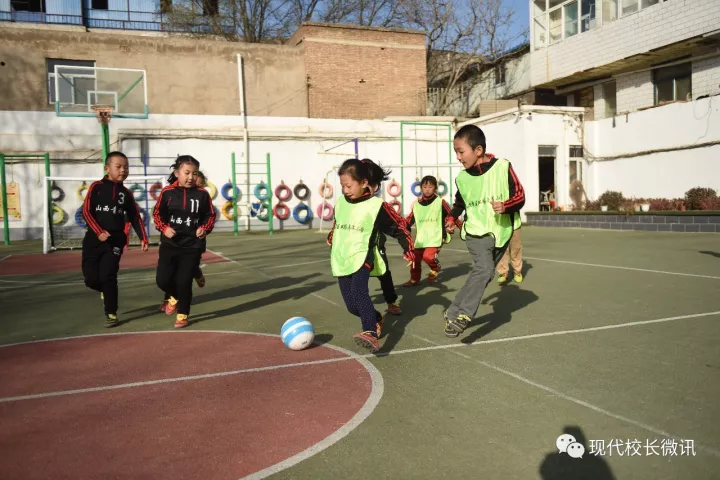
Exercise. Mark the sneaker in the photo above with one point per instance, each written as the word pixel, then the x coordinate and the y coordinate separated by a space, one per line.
pixel 432 276
pixel 379 326
pixel 170 306
pixel 111 320
pixel 502 279
pixel 458 324
pixel 394 308
pixel 200 280
pixel 411 283
pixel 518 278
pixel 367 340
pixel 181 321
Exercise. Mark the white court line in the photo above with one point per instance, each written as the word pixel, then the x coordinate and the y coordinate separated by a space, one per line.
pixel 618 267
pixel 5 257
pixel 271 277
pixel 578 401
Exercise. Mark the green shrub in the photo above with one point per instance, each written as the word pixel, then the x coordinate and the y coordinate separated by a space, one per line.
pixel 695 196
pixel 612 199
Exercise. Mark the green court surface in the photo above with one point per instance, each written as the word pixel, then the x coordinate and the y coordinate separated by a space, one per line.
pixel 613 337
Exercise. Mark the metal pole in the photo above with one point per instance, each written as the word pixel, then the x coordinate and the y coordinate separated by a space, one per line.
pixel 357 151
pixel 105 140
pixel 234 196
pixel 270 192
pixel 48 196
pixel 6 223
pixel 451 182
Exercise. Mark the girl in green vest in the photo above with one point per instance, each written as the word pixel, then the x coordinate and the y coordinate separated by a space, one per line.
pixel 429 214
pixel 359 219
pixel 490 194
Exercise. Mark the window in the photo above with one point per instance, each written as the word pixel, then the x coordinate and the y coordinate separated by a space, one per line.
pixel 609 10
pixel 576 151
pixel 540 31
pixel 587 15
pixel 609 92
pixel 673 83
pixel 210 8
pixel 73 87
pixel 28 5
pixel 99 4
pixel 629 6
pixel 571 19
pixel 500 74
pixel 555 26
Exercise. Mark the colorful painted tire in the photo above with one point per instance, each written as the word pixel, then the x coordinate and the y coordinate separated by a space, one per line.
pixel 79 219
pixel 301 187
pixel 59 216
pixel 211 189
pixel 227 210
pixel 442 188
pixel 285 214
pixel 308 213
pixel 394 189
pixel 137 188
pixel 396 205
pixel 260 211
pixel 264 188
pixel 322 190
pixel 56 193
pixel 82 188
pixel 155 190
pixel 225 191
pixel 415 189
pixel 325 211
pixel 283 192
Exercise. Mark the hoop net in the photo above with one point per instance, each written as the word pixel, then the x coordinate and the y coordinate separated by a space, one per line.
pixel 103 113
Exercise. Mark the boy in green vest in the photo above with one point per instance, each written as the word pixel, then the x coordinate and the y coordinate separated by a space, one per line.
pixel 428 214
pixel 490 194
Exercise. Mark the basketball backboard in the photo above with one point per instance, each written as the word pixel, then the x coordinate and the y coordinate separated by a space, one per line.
pixel 77 89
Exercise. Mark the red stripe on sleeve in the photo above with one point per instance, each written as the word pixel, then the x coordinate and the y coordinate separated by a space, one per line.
pixel 87 211
pixel 519 196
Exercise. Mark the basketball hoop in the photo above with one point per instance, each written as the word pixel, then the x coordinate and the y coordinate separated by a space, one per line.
pixel 103 113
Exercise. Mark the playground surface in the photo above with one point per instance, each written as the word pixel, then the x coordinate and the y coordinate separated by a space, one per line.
pixel 612 338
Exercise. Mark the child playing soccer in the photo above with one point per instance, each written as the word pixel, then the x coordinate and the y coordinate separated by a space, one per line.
pixel 359 218
pixel 429 213
pixel 185 216
pixel 490 194
pixel 106 204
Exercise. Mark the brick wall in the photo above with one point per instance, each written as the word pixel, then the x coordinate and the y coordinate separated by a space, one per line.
pixel 706 77
pixel 360 72
pixel 599 104
pixel 658 25
pixel 634 91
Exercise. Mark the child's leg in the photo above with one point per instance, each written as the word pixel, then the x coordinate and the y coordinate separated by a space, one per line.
pixel 515 248
pixel 504 264
pixel 430 256
pixel 416 269
pixel 165 273
pixel 187 262
pixel 91 266
pixel 345 284
pixel 482 250
pixel 107 273
pixel 363 304
pixel 388 287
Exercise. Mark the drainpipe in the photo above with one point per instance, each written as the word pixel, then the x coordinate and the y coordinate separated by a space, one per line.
pixel 246 142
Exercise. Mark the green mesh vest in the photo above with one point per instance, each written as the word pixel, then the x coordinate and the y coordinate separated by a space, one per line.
pixel 351 238
pixel 428 224
pixel 478 192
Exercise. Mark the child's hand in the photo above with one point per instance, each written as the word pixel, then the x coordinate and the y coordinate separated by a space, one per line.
pixel 200 233
pixel 409 257
pixel 450 225
pixel 144 245
pixel 103 236
pixel 169 232
pixel 498 207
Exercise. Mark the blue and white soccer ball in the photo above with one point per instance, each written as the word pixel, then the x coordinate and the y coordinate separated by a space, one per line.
pixel 297 333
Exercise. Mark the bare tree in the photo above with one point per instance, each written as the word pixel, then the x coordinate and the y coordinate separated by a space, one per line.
pixel 463 37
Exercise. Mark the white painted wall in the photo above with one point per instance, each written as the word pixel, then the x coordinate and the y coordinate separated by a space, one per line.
pixel 652 27
pixel 706 77
pixel 667 174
